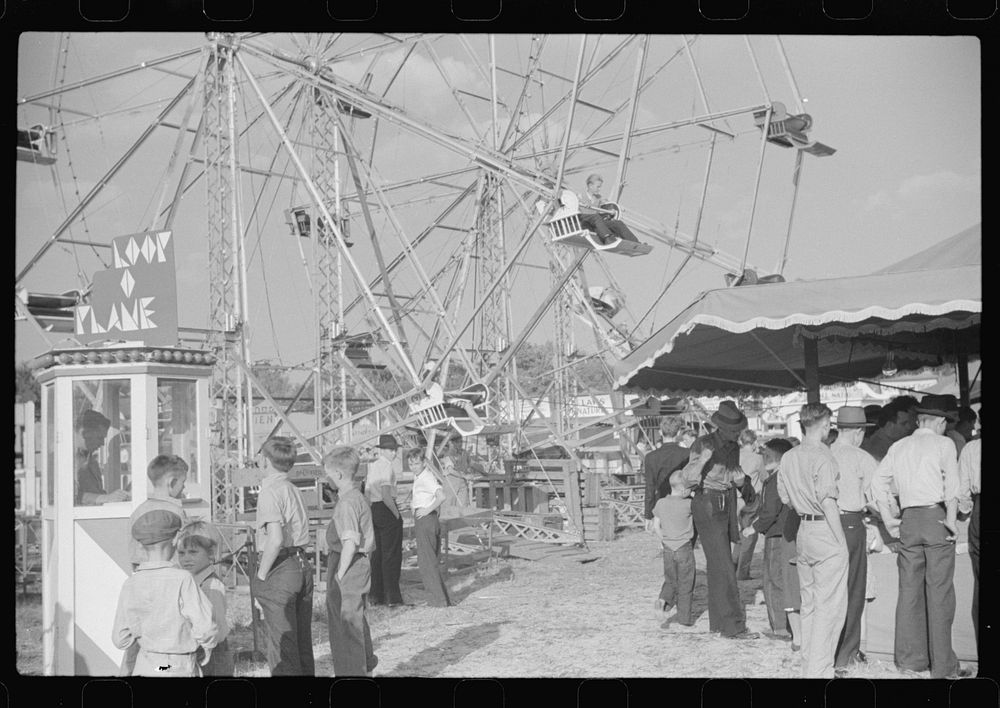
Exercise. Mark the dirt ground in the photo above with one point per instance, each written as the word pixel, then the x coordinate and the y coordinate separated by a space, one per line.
pixel 519 618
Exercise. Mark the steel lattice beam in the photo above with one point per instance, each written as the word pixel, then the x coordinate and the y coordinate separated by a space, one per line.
pixel 225 388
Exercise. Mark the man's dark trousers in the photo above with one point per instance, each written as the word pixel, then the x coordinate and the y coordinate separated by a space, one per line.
pixel 743 555
pixel 974 557
pixel 774 584
pixel 678 581
pixel 925 608
pixel 350 636
pixel 427 530
pixel 285 599
pixel 849 643
pixel 711 521
pixel 597 224
pixel 387 559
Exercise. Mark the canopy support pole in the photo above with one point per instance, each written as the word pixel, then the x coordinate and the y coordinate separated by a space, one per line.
pixel 811 347
pixel 962 364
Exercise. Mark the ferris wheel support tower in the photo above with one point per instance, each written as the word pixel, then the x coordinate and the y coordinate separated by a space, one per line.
pixel 227 294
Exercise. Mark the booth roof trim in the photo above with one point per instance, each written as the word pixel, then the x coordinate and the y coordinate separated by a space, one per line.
pixel 78 356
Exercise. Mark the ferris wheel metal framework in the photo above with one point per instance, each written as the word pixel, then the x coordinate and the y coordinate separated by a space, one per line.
pixel 503 187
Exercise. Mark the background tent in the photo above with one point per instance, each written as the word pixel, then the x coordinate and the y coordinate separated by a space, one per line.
pixel 758 339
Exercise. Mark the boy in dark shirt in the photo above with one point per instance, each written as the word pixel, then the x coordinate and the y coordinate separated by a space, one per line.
pixel 660 463
pixel 350 538
pixel 770 523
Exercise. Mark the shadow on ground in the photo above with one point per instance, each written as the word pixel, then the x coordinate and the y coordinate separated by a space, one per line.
pixel 431 661
pixel 460 585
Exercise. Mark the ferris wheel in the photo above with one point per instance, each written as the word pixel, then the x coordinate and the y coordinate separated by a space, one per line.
pixel 404 211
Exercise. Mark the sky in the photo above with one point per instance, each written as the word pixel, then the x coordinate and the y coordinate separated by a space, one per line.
pixel 902 112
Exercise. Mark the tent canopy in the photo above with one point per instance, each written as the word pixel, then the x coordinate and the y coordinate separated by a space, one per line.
pixel 750 339
pixel 962 249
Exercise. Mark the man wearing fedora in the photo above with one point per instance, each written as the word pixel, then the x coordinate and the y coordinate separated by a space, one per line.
pixel 924 467
pixel 856 469
pixel 380 490
pixel 711 507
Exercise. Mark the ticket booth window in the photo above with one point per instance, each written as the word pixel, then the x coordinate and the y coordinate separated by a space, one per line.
pixel 177 422
pixel 50 444
pixel 102 428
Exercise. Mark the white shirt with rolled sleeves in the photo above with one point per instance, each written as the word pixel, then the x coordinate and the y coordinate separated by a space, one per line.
pixel 381 472
pixel 923 466
pixel 280 502
pixel 857 468
pixel 969 475
pixel 807 475
pixel 425 486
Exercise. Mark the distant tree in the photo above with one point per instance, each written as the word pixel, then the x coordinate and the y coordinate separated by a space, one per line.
pixel 274 379
pixel 535 363
pixel 26 386
pixel 592 377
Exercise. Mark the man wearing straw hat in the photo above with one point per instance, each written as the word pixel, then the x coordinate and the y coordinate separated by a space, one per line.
pixel 380 490
pixel 711 508
pixel 924 467
pixel 856 469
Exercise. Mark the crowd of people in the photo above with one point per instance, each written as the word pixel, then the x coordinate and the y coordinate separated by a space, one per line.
pixel 171 614
pixel 898 476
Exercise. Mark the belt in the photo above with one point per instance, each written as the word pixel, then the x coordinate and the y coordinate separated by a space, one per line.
pixel 289 551
pixel 812 517
pixel 429 512
pixel 842 512
pixel 357 554
pixel 938 505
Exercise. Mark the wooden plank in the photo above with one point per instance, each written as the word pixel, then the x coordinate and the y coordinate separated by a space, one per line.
pixel 574 505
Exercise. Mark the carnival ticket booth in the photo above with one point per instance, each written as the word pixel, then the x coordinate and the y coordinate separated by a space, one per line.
pixel 106 412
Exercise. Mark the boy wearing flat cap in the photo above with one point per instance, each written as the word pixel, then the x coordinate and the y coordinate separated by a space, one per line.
pixel 856 468
pixel 161 606
pixel 380 491
pixel 924 467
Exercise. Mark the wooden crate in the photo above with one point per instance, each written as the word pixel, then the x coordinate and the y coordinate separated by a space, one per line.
pixel 599 523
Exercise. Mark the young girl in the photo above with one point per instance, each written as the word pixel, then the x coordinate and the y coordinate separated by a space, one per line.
pixel 197 552
pixel 427 497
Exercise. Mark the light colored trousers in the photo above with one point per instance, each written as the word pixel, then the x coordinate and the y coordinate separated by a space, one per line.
pixel 822 566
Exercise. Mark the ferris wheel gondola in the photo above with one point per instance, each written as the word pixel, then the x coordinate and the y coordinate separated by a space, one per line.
pixel 566 229
pixel 36 145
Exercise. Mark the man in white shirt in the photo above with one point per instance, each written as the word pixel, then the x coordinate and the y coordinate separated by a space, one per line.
pixel 924 467
pixel 427 498
pixel 969 479
pixel 856 468
pixel 380 491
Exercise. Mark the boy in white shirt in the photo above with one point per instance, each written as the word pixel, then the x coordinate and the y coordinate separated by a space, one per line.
pixel 673 525
pixel 428 495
